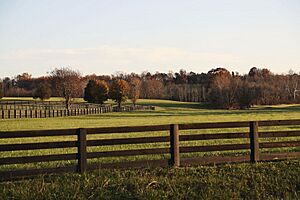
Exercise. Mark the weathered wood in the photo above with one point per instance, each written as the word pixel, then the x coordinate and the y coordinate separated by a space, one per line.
pixel 42 145
pixel 213 160
pixel 128 129
pixel 37 133
pixel 128 165
pixel 11 175
pixel 139 140
pixel 213 125
pixel 279 134
pixel 280 144
pixel 82 150
pixel 174 145
pixel 213 136
pixel 254 143
pixel 207 148
pixel 33 159
pixel 135 152
pixel 279 122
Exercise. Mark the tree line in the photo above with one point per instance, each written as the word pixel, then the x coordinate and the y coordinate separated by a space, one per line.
pixel 217 88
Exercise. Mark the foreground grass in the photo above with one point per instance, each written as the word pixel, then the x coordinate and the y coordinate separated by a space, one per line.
pixel 278 180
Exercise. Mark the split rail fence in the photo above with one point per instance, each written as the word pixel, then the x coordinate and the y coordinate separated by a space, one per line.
pixel 176 149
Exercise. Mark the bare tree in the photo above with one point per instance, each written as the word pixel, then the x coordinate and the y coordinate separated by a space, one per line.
pixel 293 84
pixel 67 83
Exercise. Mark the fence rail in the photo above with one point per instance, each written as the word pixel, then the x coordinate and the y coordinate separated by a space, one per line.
pixel 176 150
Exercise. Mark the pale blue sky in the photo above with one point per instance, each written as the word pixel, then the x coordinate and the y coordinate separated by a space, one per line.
pixel 103 37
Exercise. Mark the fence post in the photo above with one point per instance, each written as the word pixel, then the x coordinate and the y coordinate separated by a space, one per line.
pixel 254 143
pixel 174 145
pixel 82 151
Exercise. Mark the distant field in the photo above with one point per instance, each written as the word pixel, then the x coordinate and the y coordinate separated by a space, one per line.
pixel 205 182
pixel 166 112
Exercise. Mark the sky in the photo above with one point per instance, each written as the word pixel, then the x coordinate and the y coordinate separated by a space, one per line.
pixel 109 36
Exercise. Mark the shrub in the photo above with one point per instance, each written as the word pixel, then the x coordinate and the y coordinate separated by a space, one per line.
pixel 43 91
pixel 96 92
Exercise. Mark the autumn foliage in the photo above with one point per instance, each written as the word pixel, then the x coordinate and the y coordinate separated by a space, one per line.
pixel 218 88
pixel 119 91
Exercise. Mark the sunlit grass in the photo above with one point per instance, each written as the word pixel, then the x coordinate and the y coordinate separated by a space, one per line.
pixel 278 180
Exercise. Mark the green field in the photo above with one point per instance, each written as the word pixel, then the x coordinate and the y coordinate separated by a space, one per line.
pixel 265 180
pixel 167 112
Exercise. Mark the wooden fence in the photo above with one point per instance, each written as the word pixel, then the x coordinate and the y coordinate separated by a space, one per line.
pixel 175 149
pixel 43 105
pixel 13 114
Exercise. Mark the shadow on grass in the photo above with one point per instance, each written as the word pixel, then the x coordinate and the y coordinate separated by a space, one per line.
pixel 173 108
pixel 145 114
pixel 285 108
pixel 174 104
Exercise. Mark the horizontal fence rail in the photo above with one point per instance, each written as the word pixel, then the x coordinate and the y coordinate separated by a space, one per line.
pixel 175 147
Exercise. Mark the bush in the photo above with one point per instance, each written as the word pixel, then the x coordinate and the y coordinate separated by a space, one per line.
pixel 96 92
pixel 42 92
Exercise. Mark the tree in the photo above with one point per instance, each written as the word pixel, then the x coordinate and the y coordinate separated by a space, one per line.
pixel 96 91
pixel 67 83
pixel 43 91
pixel 134 89
pixel 1 90
pixel 119 91
pixel 152 89
pixel 222 88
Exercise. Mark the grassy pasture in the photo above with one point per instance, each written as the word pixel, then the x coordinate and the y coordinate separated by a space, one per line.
pixel 153 183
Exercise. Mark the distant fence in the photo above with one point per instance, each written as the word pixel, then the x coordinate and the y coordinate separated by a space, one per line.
pixel 175 149
pixel 43 105
pixel 14 114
